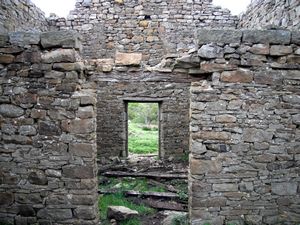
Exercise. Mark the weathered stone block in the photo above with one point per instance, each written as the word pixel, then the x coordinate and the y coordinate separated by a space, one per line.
pixel 238 76
pixel 55 75
pixel 26 211
pixel 267 36
pixel 6 58
pixel 78 172
pixel 27 130
pixel 87 100
pixel 38 114
pixel 216 106
pixel 120 213
pixel 83 199
pixel 296 119
pixel 77 66
pixel 65 39
pixel 292 99
pixel 209 202
pixel 210 51
pixel 296 37
pixel 6 198
pixel 293 59
pixel 119 1
pixel 198 167
pixel 11 111
pixel 198 148
pixel 55 214
pixel 60 55
pixel 48 128
pixel 82 149
pixel 214 67
pixel 260 49
pixel 280 50
pixel 81 126
pixel 128 59
pixel 225 119
pixel 86 112
pixel 24 38
pixel 225 187
pixel 205 36
pixel 257 135
pixel 253 219
pixel 264 158
pixel 31 55
pixel 38 177
pixel 212 135
pixel 85 212
pixel 271 77
pixel 285 188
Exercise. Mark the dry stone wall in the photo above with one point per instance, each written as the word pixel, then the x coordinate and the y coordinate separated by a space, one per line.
pixel 48 131
pixel 125 79
pixel 21 15
pixel 279 13
pixel 244 165
pixel 154 28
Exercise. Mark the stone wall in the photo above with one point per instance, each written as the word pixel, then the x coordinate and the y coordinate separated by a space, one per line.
pixel 153 27
pixel 21 15
pixel 124 79
pixel 280 13
pixel 48 132
pixel 244 166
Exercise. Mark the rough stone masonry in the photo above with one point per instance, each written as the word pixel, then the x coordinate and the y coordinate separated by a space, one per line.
pixel 48 131
pixel 233 95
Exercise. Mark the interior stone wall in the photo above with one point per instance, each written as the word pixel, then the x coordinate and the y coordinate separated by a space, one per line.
pixel 48 170
pixel 21 15
pixel 118 82
pixel 244 166
pixel 154 28
pixel 280 13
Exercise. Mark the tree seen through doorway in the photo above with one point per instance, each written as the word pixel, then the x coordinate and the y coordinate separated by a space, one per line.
pixel 143 129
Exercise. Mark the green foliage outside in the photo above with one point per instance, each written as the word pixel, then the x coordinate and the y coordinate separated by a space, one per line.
pixel 180 220
pixel 141 141
pixel 119 200
pixel 144 113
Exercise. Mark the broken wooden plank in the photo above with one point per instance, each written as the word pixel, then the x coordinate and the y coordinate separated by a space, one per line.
pixel 152 194
pixel 166 205
pixel 167 187
pixel 147 175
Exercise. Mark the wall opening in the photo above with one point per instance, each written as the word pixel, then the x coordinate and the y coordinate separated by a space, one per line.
pixel 142 128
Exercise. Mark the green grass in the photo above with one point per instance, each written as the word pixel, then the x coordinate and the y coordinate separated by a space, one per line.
pixel 126 184
pixel 142 140
pixel 180 220
pixel 119 200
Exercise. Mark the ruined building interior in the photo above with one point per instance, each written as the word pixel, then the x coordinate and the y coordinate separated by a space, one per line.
pixel 228 90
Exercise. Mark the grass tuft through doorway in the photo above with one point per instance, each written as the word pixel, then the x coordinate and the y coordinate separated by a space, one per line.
pixel 143 128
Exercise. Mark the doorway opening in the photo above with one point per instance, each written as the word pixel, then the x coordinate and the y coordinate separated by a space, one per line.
pixel 143 128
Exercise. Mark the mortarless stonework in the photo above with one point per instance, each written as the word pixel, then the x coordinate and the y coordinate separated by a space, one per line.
pixel 243 102
pixel 154 28
pixel 244 163
pixel 280 13
pixel 21 15
pixel 48 132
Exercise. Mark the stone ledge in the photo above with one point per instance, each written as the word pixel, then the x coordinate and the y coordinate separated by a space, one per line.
pixel 218 36
pixel 65 39
pixel 267 36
